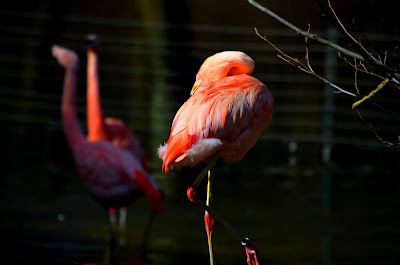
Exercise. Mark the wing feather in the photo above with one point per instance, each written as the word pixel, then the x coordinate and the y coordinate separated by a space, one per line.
pixel 225 111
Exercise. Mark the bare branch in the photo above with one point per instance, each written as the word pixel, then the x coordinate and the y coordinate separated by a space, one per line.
pixel 295 62
pixel 305 33
pixel 307 49
pixel 362 57
pixel 355 75
pixel 373 130
pixel 362 54
pixel 390 73
pixel 363 70
pixel 307 69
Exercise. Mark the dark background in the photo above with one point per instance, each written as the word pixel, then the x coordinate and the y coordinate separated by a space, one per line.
pixel 318 188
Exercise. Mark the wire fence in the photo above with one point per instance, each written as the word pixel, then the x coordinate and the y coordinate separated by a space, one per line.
pixel 130 64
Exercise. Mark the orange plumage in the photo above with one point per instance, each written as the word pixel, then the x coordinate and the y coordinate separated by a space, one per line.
pixel 227 112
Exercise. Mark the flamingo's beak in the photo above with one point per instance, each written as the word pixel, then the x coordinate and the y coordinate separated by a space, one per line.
pixel 195 87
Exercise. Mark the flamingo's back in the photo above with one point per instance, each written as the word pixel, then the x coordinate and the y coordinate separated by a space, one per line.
pixel 228 116
pixel 123 137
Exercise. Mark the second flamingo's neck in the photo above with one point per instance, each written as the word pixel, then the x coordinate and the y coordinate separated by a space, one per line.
pixel 68 109
pixel 95 117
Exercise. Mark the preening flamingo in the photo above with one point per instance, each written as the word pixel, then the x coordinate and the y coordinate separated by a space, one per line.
pixel 224 117
pixel 114 177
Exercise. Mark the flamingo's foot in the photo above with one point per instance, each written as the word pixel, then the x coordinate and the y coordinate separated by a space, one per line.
pixel 253 258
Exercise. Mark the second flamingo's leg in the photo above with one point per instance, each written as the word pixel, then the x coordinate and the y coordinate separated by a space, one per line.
pixel 122 225
pixel 112 217
pixel 112 221
pixel 143 243
pixel 122 217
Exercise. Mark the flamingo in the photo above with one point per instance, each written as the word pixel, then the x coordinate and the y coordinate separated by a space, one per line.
pixel 102 128
pixel 227 112
pixel 113 176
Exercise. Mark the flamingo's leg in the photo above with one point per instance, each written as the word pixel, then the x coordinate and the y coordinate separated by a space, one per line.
pixel 145 237
pixel 203 173
pixel 112 220
pixel 122 217
pixel 112 217
pixel 208 220
pixel 251 250
pixel 122 225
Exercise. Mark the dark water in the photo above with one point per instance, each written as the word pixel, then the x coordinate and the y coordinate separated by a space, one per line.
pixel 318 188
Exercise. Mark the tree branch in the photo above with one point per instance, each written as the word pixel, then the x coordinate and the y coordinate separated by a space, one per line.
pixel 390 73
pixel 305 33
pixel 362 54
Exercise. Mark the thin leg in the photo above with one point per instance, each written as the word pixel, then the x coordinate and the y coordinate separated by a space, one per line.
pixel 205 170
pixel 208 220
pixel 109 253
pixel 251 250
pixel 217 216
pixel 122 226
pixel 142 249
pixel 122 217
pixel 112 219
pixel 148 229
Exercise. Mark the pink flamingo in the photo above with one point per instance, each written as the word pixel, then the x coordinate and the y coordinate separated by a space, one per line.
pixel 224 117
pixel 102 128
pixel 112 176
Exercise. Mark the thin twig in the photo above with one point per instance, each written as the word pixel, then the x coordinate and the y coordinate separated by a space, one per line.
pixel 305 33
pixel 307 50
pixel 373 92
pixel 373 130
pixel 364 70
pixel 355 74
pixel 295 62
pixel 390 73
pixel 362 54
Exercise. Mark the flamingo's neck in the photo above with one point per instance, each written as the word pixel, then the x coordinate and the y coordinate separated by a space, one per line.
pixel 70 120
pixel 95 117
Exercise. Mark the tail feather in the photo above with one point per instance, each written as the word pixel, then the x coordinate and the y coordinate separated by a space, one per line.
pixel 176 146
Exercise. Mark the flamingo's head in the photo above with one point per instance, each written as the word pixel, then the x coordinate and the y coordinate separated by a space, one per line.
pixel 65 57
pixel 220 65
pixel 91 43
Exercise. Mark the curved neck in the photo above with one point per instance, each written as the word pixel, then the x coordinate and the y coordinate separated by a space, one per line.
pixel 221 65
pixel 68 109
pixel 95 117
pixel 240 67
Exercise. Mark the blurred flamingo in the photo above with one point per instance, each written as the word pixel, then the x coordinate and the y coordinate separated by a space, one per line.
pixel 113 176
pixel 227 112
pixel 102 128
pixel 110 129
